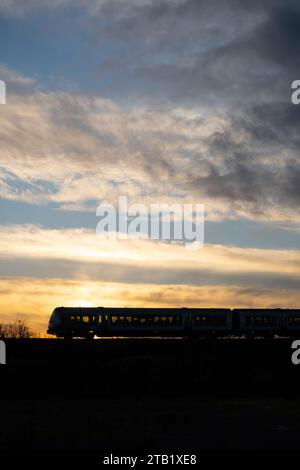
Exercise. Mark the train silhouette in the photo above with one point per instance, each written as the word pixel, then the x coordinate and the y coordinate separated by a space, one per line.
pixel 80 322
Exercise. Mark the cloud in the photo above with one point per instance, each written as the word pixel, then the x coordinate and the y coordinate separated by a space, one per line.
pixel 215 123
pixel 234 54
pixel 72 148
pixel 79 254
pixel 16 80
pixel 93 7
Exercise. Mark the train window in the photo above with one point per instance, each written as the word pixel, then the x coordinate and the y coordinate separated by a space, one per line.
pixel 203 319
pixel 210 320
pixel 294 320
pixel 85 319
pixel 164 320
pixel 72 318
pixel 147 320
pixel 137 320
pixel 261 320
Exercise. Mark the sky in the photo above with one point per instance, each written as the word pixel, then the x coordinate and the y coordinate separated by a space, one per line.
pixel 164 101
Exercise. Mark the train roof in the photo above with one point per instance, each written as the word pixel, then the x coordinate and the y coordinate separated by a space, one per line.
pixel 169 311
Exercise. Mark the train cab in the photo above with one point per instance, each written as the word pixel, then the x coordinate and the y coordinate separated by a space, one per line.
pixel 78 322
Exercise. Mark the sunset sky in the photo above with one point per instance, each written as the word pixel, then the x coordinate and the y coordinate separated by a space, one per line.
pixel 164 101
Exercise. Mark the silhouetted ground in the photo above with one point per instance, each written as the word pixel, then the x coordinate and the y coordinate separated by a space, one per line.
pixel 143 395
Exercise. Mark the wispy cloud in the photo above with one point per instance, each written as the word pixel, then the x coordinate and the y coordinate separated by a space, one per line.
pixel 80 254
pixel 71 148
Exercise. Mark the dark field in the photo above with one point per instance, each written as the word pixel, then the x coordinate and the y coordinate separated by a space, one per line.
pixel 143 395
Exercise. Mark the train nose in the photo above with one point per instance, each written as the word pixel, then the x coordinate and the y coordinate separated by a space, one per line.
pixel 50 327
pixel 53 324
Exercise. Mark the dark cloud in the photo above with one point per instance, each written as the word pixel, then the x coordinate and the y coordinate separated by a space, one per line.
pixel 278 38
pixel 256 174
pixel 202 51
pixel 248 75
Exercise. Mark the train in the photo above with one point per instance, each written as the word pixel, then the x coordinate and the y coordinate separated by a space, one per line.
pixel 88 323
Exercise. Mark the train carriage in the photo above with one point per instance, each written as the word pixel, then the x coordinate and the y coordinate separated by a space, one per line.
pixel 210 322
pixel 145 322
pixel 260 322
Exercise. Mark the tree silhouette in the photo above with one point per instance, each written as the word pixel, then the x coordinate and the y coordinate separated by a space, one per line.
pixel 18 329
